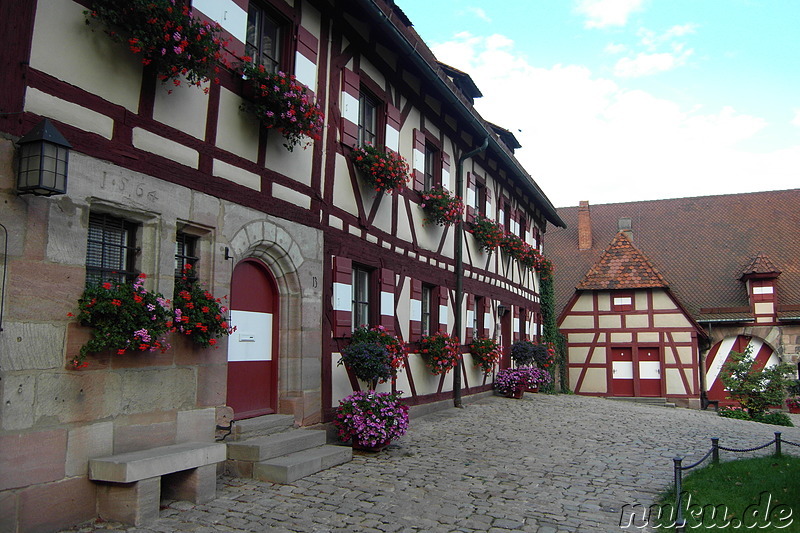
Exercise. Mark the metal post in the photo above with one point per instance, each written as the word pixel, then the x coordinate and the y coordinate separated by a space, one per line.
pixel 680 523
pixel 459 246
pixel 777 444
pixel 715 449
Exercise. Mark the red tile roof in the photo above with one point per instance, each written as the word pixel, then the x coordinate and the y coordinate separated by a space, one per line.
pixel 622 266
pixel 699 245
pixel 761 264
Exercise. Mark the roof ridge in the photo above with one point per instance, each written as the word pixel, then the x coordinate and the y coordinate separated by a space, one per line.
pixel 622 266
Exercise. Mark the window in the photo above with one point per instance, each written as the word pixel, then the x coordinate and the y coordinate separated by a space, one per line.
pixel 622 301
pixel 361 296
pixel 265 40
pixel 185 254
pixel 523 324
pixel 523 227
pixel 367 119
pixel 110 250
pixel 477 317
pixel 432 163
pixel 427 309
pixel 480 199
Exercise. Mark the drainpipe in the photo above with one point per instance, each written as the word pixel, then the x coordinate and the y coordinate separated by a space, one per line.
pixel 459 245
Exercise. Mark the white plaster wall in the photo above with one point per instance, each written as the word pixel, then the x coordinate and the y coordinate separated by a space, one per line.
pixel 585 302
pixel 66 48
pixel 636 321
pixel 184 109
pixel 661 300
pixel 237 131
pixel 599 355
pixel 670 321
pixel 594 381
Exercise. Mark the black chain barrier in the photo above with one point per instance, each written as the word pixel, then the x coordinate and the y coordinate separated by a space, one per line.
pixel 678 468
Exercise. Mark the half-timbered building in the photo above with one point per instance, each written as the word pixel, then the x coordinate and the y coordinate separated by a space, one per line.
pixel 654 296
pixel 161 175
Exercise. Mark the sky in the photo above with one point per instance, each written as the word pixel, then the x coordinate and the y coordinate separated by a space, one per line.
pixel 627 100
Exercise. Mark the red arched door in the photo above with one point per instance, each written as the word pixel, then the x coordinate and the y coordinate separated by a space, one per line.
pixel 253 347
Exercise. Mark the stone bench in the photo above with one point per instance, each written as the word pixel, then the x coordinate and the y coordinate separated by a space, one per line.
pixel 133 483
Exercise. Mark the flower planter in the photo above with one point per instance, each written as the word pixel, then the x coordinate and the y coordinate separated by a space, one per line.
pixel 795 410
pixel 517 394
pixel 534 389
pixel 357 445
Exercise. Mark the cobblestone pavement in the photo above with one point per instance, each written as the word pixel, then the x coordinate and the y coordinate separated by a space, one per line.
pixel 542 464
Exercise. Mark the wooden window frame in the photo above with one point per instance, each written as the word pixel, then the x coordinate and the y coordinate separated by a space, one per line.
pixel 376 138
pixel 369 304
pixel 622 308
pixel 283 17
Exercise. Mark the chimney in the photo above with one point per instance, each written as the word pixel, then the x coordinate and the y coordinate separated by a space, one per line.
pixel 584 226
pixel 624 225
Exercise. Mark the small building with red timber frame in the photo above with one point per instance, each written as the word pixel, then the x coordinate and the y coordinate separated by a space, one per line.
pixel 682 284
pixel 296 239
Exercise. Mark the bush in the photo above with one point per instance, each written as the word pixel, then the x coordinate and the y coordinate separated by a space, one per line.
pixel 733 412
pixel 776 419
pixel 755 389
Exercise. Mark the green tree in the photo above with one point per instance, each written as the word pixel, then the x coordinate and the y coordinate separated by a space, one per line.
pixel 755 389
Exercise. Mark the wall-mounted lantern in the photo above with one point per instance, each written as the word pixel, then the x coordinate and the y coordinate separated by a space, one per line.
pixel 43 161
pixel 502 310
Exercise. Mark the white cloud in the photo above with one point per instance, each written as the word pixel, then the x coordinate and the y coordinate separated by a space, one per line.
pixel 796 119
pixel 480 13
pixel 589 138
pixel 663 53
pixel 613 48
pixel 648 64
pixel 603 13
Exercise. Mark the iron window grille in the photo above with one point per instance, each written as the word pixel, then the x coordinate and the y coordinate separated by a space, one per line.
pixel 186 254
pixel 111 250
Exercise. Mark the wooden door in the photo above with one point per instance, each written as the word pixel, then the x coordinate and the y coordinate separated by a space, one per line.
pixel 622 371
pixel 506 338
pixel 649 372
pixel 253 347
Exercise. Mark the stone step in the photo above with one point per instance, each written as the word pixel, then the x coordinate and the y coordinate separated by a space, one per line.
pixel 291 467
pixel 261 448
pixel 260 425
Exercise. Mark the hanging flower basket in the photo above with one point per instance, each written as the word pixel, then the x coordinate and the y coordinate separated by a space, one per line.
pixel 486 354
pixel 513 246
pixel 165 36
pixel 385 171
pixel 440 352
pixel 281 102
pixel 197 314
pixel 441 207
pixel 124 317
pixel 374 355
pixel 487 232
